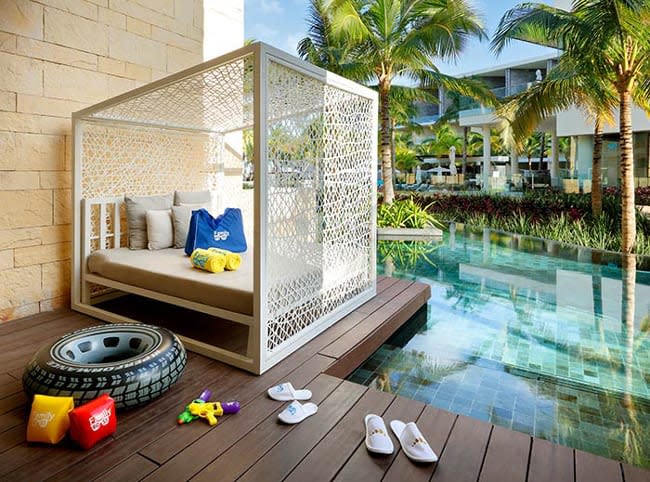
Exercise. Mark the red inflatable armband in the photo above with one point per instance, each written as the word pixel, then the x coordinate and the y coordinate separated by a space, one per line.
pixel 93 421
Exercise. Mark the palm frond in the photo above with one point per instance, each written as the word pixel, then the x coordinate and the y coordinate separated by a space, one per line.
pixel 472 88
pixel 534 22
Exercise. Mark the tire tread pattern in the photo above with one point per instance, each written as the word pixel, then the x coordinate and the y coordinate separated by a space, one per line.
pixel 132 387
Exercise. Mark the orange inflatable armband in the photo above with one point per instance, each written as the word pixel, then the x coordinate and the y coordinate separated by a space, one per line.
pixel 48 420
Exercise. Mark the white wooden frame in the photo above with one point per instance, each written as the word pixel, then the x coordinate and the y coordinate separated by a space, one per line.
pixel 258 357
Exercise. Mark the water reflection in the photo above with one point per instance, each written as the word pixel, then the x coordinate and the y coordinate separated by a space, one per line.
pixel 533 335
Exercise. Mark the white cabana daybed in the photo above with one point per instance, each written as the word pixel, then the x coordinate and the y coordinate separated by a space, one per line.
pixel 309 218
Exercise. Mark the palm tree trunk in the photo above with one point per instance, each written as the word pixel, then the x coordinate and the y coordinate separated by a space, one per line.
pixel 542 145
pixel 385 141
pixel 628 214
pixel 596 177
pixel 465 135
pixel 393 150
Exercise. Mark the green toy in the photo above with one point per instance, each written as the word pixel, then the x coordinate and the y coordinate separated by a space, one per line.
pixel 186 416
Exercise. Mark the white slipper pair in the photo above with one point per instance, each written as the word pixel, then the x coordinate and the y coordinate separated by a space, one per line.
pixel 410 438
pixel 296 412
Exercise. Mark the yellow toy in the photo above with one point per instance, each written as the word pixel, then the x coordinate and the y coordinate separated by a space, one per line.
pixel 208 410
pixel 204 259
pixel 233 260
pixel 48 420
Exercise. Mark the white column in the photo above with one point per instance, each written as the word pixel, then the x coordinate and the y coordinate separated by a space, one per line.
pixel 555 160
pixel 487 154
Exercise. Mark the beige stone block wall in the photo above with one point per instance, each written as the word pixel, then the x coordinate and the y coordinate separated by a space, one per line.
pixel 57 57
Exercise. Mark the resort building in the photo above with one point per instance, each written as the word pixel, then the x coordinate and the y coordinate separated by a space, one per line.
pixel 509 79
pixel 57 58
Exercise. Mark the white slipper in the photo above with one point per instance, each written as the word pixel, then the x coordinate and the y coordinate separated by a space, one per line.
pixel 285 392
pixel 296 412
pixel 377 438
pixel 412 441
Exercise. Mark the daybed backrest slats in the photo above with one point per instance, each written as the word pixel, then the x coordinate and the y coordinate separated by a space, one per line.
pixel 117 221
pixel 108 217
pixel 102 226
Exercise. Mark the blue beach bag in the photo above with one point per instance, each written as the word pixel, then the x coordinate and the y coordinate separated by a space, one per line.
pixel 225 231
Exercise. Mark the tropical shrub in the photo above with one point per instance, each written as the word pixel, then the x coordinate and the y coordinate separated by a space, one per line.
pixel 562 217
pixel 406 213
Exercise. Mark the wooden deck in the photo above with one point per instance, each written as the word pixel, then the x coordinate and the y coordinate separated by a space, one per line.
pixel 253 446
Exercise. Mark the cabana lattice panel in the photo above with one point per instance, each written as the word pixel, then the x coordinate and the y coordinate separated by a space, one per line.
pixel 219 99
pixel 119 160
pixel 319 157
pixel 309 217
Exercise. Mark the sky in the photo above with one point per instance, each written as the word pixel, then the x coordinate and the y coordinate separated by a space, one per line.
pixel 282 23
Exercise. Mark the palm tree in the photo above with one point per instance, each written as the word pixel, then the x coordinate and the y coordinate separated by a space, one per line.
pixel 571 82
pixel 475 143
pixel 386 39
pixel 605 41
pixel 529 147
pixel 403 109
pixel 321 46
pixel 444 139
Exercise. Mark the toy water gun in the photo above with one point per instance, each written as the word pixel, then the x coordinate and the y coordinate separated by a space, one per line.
pixel 186 416
pixel 211 410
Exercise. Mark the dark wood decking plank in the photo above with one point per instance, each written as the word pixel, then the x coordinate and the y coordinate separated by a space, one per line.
pixel 16 356
pixel 171 443
pixel 400 292
pixel 23 327
pixel 506 459
pixel 435 425
pixel 10 388
pixel 12 437
pixel 231 464
pixel 175 441
pixel 326 458
pixel 11 419
pixel 635 474
pixel 210 444
pixel 386 289
pixel 550 462
pixel 360 342
pixel 12 402
pixel 286 454
pixel 134 468
pixel 360 352
pixel 349 322
pixel 20 460
pixel 463 455
pixel 5 378
pixel 33 333
pixel 136 431
pixel 592 468
pixel 363 465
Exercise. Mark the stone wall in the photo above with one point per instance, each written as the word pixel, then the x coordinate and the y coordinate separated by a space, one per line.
pixel 56 57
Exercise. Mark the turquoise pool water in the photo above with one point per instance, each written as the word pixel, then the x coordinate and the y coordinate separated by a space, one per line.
pixel 549 340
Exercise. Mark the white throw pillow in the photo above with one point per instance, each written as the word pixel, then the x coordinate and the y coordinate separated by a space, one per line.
pixel 160 230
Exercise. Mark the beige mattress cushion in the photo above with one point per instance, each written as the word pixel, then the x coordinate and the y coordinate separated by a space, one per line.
pixel 169 271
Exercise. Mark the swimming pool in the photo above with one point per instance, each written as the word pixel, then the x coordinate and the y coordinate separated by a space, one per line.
pixel 532 335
